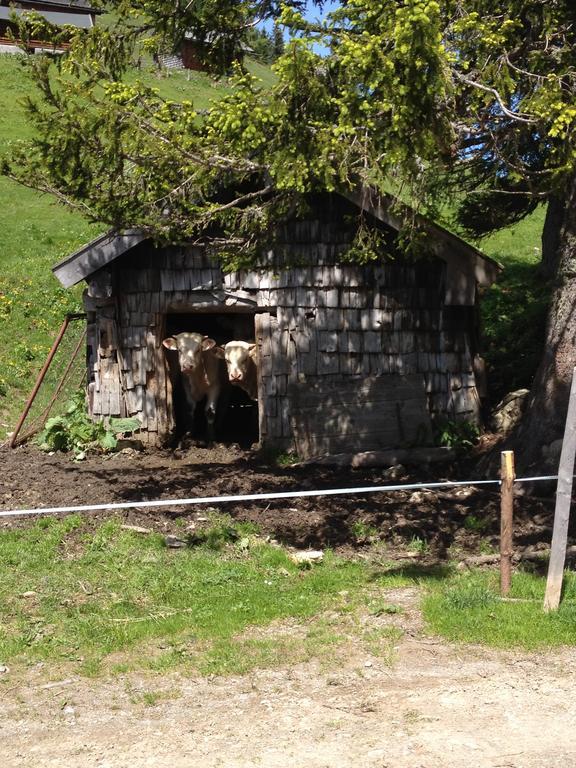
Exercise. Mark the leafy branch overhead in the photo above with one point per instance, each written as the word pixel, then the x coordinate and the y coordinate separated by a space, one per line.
pixel 405 90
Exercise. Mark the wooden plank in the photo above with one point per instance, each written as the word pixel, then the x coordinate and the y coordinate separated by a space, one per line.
pixel 328 363
pixel 562 510
pixel 372 341
pixel 287 297
pixel 364 413
pixel 150 409
pixel 302 341
pixel 378 412
pixel 369 388
pixel 164 414
pixel 150 350
pixel 327 341
pixel 284 415
pixel 306 297
pixel 410 363
pixel 312 446
pixel 507 476
pixel 96 403
pixel 167 280
pixel 261 324
pixel 95 255
pixel 107 337
pixel 139 363
pixel 115 399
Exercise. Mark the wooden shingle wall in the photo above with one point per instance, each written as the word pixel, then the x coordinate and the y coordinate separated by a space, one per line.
pixel 323 321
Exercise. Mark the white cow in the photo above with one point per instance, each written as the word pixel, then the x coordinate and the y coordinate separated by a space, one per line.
pixel 240 359
pixel 202 374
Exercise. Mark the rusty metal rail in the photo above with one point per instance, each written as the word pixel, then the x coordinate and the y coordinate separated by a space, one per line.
pixel 42 375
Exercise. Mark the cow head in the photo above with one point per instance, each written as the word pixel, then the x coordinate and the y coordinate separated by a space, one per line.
pixel 238 355
pixel 190 347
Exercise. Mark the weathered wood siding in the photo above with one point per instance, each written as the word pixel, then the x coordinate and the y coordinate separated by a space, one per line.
pixel 320 324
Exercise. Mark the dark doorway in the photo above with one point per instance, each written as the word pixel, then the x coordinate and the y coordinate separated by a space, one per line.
pixel 237 414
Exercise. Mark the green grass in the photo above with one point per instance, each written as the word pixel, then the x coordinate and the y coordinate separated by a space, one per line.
pixel 109 599
pixel 514 310
pixel 98 599
pixel 37 233
pixel 467 608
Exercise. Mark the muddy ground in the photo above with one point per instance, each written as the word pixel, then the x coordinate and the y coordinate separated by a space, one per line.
pixel 459 519
pixel 432 705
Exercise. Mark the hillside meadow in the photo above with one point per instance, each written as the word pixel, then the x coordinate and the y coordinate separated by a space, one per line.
pixel 38 232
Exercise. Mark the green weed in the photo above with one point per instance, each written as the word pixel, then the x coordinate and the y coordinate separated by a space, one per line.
pixel 362 531
pixel 417 544
pixel 468 609
pixel 76 432
pixel 475 523
pixel 456 434
pixel 220 530
pixel 108 600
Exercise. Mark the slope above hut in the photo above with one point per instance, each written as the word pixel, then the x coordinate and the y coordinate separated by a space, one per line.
pixel 350 357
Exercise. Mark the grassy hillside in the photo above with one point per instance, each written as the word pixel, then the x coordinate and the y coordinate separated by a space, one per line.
pixel 514 310
pixel 37 233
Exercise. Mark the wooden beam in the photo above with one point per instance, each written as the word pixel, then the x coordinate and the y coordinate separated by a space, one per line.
pixel 507 476
pixel 95 255
pixel 562 510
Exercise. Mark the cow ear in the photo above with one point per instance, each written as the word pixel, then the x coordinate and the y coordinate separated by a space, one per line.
pixel 253 352
pixel 219 352
pixel 170 343
pixel 207 343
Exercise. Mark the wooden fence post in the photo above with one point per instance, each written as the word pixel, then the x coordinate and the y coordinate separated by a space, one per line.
pixel 562 510
pixel 507 476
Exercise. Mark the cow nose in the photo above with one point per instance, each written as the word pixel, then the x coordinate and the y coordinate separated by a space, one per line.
pixel 236 376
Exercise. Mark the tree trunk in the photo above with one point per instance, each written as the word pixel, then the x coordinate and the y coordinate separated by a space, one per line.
pixel 545 416
pixel 551 234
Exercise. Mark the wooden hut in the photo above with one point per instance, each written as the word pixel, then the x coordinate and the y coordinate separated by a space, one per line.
pixel 72 13
pixel 350 357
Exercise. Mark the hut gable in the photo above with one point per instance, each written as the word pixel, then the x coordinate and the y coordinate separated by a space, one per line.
pixel 350 357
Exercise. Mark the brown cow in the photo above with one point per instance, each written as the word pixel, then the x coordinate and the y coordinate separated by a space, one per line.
pixel 240 359
pixel 202 374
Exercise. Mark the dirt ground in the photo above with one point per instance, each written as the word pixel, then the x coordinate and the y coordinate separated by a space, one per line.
pixel 436 705
pixel 458 519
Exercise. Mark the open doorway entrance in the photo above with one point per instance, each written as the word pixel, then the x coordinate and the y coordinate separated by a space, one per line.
pixel 237 413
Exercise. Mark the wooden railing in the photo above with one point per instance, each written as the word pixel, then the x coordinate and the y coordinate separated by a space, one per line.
pixel 32 44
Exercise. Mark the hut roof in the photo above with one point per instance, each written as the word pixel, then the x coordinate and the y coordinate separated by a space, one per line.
pixel 74 6
pixel 383 207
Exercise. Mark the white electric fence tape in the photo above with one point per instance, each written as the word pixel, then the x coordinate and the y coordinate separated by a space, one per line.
pixel 264 496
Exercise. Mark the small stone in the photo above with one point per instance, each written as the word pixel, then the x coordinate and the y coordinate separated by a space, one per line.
pixel 368 664
pixel 136 529
pixel 508 412
pixel 31 593
pixel 174 542
pixel 4 669
pixel 395 473
pixel 307 557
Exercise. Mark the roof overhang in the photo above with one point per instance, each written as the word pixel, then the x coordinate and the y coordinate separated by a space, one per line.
pixel 442 243
pixel 462 258
pixel 95 255
pixel 81 19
